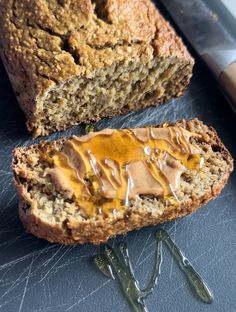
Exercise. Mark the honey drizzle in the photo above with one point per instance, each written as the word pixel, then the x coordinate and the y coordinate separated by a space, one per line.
pixel 98 189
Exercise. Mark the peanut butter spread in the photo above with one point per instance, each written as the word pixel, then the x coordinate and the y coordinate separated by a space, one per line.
pixel 105 170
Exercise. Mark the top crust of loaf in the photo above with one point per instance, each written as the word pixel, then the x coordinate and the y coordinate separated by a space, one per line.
pixel 67 227
pixel 44 43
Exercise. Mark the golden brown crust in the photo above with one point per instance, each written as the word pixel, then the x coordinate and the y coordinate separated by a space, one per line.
pixel 71 232
pixel 45 43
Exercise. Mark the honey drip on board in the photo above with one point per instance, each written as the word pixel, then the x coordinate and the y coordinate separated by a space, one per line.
pixel 105 170
pixel 196 282
pixel 118 266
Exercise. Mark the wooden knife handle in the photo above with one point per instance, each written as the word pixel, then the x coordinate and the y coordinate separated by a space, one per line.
pixel 227 79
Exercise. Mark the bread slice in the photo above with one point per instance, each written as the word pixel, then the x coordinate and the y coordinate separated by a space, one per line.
pixel 81 60
pixel 51 214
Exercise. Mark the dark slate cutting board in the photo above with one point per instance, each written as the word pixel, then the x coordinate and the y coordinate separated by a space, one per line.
pixel 38 276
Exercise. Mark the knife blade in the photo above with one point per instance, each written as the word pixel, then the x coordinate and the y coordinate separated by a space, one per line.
pixel 203 25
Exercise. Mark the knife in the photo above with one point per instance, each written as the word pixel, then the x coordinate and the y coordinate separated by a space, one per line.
pixel 211 30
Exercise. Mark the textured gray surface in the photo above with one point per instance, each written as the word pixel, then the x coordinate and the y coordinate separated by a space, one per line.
pixel 38 276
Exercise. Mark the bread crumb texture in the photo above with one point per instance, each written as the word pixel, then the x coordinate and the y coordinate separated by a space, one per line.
pixel 56 216
pixel 73 61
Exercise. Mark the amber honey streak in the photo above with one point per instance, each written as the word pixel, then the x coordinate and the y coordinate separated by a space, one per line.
pixel 105 170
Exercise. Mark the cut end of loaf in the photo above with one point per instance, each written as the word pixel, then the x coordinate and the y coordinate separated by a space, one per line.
pixel 51 214
pixel 112 91
pixel 95 59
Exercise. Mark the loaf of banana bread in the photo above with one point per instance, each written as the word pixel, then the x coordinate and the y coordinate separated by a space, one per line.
pixel 73 61
pixel 89 188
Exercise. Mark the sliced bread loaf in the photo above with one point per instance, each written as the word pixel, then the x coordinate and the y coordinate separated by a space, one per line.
pixel 75 61
pixel 87 189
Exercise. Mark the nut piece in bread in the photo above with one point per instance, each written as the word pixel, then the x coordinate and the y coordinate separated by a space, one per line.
pixel 76 61
pixel 56 214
